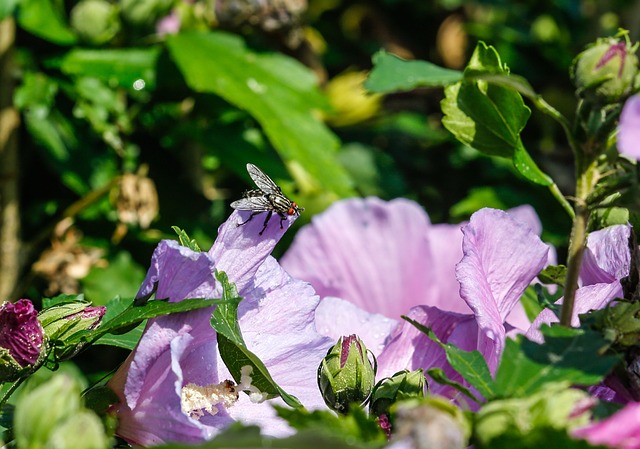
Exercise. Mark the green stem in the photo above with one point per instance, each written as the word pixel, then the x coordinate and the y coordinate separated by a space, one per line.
pixel 11 390
pixel 585 180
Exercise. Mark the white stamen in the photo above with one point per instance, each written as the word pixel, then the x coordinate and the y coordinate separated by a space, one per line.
pixel 196 399
pixel 256 396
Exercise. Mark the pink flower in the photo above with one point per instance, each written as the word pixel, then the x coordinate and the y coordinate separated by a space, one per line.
pixel 372 261
pixel 621 430
pixel 276 319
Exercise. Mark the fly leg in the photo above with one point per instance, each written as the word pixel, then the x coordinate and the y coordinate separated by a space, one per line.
pixel 248 219
pixel 266 220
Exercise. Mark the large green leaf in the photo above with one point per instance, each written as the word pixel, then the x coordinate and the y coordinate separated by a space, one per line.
pixel 391 74
pixel 119 66
pixel 41 18
pixel 234 351
pixel 490 116
pixel 569 355
pixel 280 93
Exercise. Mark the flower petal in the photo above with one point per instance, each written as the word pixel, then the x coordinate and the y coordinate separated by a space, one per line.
pixel 372 253
pixel 629 128
pixel 621 430
pixel 607 257
pixel 336 317
pixel 501 258
pixel 239 250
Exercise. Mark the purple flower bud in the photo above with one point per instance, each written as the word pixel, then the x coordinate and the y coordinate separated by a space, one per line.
pixel 21 333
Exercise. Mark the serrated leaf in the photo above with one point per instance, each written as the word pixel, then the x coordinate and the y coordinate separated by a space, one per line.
pixel 133 315
pixel 185 240
pixel 439 376
pixel 470 364
pixel 566 355
pixel 281 94
pixel 392 74
pixel 42 19
pixel 114 66
pixel 233 350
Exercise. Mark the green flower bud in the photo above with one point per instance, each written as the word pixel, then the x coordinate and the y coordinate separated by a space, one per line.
pixel 40 411
pixel 346 375
pixel 605 72
pixel 64 320
pixel 145 12
pixel 433 422
pixel 95 21
pixel 402 385
pixel 84 430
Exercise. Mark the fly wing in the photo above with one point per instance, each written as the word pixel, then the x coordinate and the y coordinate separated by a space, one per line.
pixel 263 182
pixel 252 203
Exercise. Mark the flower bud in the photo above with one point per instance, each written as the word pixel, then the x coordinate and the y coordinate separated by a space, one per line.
pixel 346 375
pixel 64 320
pixel 95 21
pixel 605 72
pixel 21 339
pixel 402 385
pixel 52 415
pixel 431 423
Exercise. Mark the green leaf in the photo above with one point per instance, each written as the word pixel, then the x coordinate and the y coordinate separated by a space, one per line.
pixel 7 7
pixel 528 168
pixel 232 348
pixel 487 112
pixel 392 73
pixel 280 93
pixel 567 354
pixel 355 426
pixel 133 315
pixel 439 376
pixel 470 364
pixel 43 19
pixel 185 240
pixel 553 274
pixel 114 66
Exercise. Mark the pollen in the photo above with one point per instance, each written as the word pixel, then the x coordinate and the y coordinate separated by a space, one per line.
pixel 196 400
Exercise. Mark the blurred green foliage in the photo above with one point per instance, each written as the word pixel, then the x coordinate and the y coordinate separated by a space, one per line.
pixel 141 115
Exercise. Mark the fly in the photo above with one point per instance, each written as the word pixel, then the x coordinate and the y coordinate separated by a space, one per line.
pixel 268 197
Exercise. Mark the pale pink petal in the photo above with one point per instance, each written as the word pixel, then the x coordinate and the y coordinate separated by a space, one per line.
pixel 372 253
pixel 629 128
pixel 336 318
pixel 607 257
pixel 502 257
pixel 621 430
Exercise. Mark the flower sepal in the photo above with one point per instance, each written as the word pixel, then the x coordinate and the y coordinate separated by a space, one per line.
pixel 64 320
pixel 402 385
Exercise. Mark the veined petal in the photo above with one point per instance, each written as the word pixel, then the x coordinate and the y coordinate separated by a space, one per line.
pixel 239 250
pixel 337 317
pixel 176 273
pixel 607 257
pixel 373 253
pixel 501 258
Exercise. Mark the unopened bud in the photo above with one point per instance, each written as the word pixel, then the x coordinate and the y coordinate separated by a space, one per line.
pixel 52 413
pixel 402 385
pixel 346 375
pixel 64 320
pixel 21 339
pixel 95 21
pixel 605 72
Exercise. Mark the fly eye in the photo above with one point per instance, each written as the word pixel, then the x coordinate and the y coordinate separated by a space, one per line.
pixel 291 210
